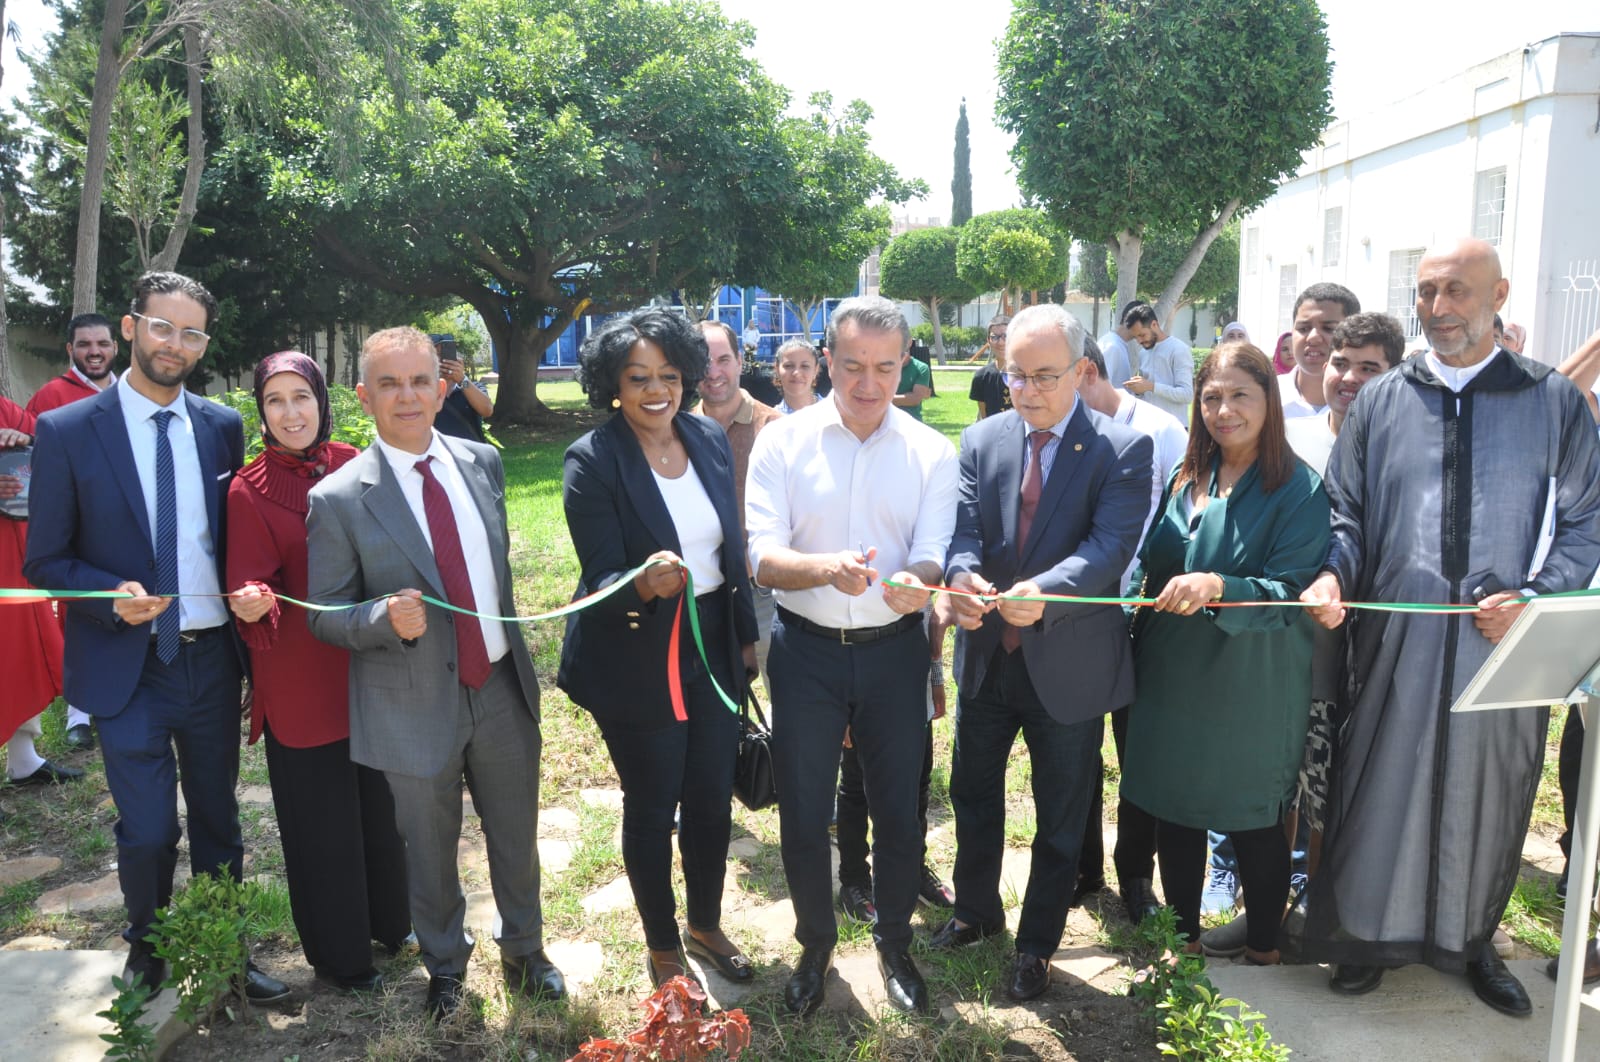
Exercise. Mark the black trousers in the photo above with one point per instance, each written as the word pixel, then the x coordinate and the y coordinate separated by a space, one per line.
pixel 851 811
pixel 1135 853
pixel 342 855
pixel 878 690
pixel 1263 870
pixel 688 765
pixel 1569 763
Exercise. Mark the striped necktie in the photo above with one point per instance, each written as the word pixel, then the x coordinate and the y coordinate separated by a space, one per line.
pixel 169 623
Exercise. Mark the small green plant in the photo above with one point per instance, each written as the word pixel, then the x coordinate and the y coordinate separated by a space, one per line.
pixel 133 1039
pixel 202 936
pixel 1197 1022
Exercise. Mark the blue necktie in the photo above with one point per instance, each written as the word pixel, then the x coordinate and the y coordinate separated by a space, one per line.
pixel 169 623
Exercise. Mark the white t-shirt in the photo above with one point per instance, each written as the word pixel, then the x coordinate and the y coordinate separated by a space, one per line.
pixel 1171 441
pixel 1311 439
pixel 1294 403
pixel 698 526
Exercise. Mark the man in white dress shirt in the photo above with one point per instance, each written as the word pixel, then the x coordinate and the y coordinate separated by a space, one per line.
pixel 840 495
pixel 1317 311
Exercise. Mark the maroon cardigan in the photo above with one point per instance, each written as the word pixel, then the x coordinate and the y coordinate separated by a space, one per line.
pixel 301 684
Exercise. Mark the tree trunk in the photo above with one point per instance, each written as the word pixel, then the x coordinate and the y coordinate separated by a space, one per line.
pixel 938 332
pixel 331 373
pixel 192 57
pixel 522 345
pixel 1127 247
pixel 1169 300
pixel 107 75
pixel 1096 317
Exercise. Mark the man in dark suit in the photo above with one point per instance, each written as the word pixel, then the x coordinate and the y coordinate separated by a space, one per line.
pixel 1053 500
pixel 435 695
pixel 129 495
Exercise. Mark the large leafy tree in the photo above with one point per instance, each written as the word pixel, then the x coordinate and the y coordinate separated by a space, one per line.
pixel 558 155
pixel 920 266
pixel 822 226
pixel 961 183
pixel 1011 251
pixel 1141 115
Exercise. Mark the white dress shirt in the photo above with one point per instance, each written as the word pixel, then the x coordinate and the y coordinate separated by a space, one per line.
pixel 1294 403
pixel 1117 355
pixel 1170 366
pixel 1171 441
pixel 481 567
pixel 813 487
pixel 197 554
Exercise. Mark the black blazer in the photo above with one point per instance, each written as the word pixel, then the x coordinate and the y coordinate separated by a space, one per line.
pixel 614 658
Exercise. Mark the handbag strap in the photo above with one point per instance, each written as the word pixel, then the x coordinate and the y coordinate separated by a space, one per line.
pixel 750 704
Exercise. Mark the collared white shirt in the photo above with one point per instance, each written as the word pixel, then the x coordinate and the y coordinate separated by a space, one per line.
pixel 1294 403
pixel 1047 453
pixel 813 487
pixel 481 568
pixel 1457 378
pixel 197 554
pixel 110 379
pixel 1171 441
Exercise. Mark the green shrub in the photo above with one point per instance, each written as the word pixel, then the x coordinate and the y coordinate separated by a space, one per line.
pixel 133 1040
pixel 203 936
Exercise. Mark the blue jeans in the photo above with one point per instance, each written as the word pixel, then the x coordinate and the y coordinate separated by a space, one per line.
pixel 1064 758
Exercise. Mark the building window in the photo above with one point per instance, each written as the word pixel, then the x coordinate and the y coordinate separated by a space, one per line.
pixel 1489 209
pixel 1252 251
pixel 1288 288
pixel 1403 289
pixel 1332 235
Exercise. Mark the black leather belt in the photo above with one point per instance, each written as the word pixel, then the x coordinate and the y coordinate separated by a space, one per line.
pixel 850 635
pixel 192 636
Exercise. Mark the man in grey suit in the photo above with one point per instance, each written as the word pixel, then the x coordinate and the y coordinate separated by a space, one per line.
pixel 435 695
pixel 1053 500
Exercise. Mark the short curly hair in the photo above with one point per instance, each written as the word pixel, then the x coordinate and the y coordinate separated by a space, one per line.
pixel 604 353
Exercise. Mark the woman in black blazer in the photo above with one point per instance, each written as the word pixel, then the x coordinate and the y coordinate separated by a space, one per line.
pixel 655 482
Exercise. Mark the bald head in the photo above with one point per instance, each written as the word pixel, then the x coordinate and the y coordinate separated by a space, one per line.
pixel 1459 290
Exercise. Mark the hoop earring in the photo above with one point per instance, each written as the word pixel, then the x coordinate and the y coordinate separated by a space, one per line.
pixel 616 403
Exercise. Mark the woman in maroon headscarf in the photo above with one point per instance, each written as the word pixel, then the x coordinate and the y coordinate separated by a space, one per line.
pixel 343 856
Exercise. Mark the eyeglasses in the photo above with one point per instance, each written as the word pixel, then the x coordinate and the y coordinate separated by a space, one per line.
pixel 162 331
pixel 1042 381
pixel 997 337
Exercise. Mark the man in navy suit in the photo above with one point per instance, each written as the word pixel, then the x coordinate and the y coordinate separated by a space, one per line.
pixel 1053 500
pixel 130 495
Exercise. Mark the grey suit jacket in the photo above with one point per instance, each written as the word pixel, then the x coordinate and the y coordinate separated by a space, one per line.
pixel 1088 523
pixel 363 542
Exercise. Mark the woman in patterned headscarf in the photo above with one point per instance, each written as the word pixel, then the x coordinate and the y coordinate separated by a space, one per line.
pixel 343 857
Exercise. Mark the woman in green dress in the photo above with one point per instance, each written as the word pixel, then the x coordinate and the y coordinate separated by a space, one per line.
pixel 1218 723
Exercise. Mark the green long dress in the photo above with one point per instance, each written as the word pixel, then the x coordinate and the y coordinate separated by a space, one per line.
pixel 1218 723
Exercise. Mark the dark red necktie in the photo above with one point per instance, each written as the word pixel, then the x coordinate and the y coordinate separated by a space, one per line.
pixel 1032 487
pixel 472 659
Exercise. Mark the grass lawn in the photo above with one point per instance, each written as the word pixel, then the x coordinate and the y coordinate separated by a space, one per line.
pixel 73 823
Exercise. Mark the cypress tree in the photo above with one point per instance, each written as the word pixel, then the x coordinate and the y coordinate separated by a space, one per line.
pixel 961 183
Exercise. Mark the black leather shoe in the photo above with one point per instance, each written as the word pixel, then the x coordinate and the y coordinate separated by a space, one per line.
pixel 734 967
pixel 261 989
pixel 1349 980
pixel 955 935
pixel 1497 986
pixel 857 903
pixel 903 983
pixel 80 736
pixel 803 993
pixel 49 773
pixel 533 975
pixel 1087 887
pixel 144 965
pixel 444 996
pixel 1030 976
pixel 1139 897
pixel 1591 964
pixel 368 980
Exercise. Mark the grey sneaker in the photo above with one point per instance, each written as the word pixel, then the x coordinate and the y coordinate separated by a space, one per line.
pixel 1226 941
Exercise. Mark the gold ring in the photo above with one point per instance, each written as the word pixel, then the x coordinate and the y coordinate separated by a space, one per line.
pixel 1183 606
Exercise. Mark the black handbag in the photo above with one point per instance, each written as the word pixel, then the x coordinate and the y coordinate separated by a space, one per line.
pixel 753 780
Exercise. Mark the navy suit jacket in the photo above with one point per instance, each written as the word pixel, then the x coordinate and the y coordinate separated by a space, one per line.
pixel 88 530
pixel 1091 514
pixel 612 659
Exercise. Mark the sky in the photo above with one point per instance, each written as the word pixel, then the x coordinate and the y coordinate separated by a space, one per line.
pixel 913 62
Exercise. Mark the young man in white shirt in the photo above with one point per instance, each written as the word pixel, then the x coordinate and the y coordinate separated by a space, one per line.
pixel 1317 311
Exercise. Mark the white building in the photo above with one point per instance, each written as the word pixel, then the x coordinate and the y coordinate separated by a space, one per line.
pixel 1508 150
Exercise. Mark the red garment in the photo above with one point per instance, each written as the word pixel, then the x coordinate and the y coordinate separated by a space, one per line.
pixel 302 684
pixel 64 389
pixel 30 638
